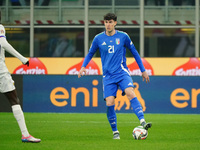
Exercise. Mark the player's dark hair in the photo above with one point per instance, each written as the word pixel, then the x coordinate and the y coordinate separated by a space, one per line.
pixel 110 16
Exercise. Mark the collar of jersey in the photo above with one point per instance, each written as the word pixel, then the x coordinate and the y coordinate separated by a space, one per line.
pixel 2 36
pixel 112 35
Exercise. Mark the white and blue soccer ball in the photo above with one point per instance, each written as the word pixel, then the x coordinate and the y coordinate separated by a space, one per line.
pixel 139 133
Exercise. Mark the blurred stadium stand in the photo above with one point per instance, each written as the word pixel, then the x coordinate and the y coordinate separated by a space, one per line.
pixel 47 12
pixel 166 22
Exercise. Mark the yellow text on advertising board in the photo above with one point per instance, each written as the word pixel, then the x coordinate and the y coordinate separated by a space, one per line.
pixel 74 91
pixel 180 97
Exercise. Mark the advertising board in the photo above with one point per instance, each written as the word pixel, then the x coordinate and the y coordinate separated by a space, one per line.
pixel 71 66
pixel 68 93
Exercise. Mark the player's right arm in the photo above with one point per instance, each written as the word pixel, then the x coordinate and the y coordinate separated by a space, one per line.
pixel 92 50
pixel 82 72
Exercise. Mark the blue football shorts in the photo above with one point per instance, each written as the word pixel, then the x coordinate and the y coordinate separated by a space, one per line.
pixel 112 84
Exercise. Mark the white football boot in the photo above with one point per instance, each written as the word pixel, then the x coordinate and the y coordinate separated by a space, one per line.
pixel 116 135
pixel 30 139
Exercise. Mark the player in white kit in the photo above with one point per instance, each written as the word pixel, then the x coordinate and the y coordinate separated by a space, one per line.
pixel 7 86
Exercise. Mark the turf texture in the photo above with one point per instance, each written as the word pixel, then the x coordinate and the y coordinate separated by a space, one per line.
pixel 89 131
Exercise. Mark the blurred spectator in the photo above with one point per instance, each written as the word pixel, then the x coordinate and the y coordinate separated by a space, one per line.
pixel 159 2
pixel 43 2
pixel 155 2
pixel 18 2
pixel 15 2
pixel 177 2
pixel 99 2
pixel 39 2
pixel 192 2
pixel 127 2
pixel 117 2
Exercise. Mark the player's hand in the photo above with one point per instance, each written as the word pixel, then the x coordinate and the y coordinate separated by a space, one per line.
pixel 145 76
pixel 27 63
pixel 82 72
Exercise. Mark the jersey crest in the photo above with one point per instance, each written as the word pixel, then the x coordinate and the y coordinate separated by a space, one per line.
pixel 117 41
pixel 2 32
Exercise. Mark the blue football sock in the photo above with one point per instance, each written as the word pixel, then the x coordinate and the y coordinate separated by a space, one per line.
pixel 112 118
pixel 137 108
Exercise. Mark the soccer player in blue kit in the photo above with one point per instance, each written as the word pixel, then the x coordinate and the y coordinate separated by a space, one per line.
pixel 112 46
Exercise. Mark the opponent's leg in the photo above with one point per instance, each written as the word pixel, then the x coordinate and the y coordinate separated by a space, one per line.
pixel 19 116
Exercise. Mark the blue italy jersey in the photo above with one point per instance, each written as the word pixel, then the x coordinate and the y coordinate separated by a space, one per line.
pixel 113 50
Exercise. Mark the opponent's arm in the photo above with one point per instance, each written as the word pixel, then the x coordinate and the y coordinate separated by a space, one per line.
pixel 13 52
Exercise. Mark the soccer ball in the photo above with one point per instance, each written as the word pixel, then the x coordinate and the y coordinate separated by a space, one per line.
pixel 139 133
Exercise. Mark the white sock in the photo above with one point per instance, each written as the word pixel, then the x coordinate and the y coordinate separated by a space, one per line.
pixel 19 116
pixel 142 120
pixel 115 132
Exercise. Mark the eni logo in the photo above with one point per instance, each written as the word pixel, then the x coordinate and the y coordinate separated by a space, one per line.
pixel 59 96
pixel 120 101
pixel 180 97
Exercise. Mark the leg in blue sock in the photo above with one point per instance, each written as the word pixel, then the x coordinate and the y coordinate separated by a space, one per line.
pixel 137 108
pixel 112 118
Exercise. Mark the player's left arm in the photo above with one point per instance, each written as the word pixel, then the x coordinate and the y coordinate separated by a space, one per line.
pixel 129 44
pixel 145 76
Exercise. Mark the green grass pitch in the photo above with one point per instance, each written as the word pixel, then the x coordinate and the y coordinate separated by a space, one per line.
pixel 84 131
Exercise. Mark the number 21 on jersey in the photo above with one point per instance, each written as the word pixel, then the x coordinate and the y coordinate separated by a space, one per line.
pixel 111 49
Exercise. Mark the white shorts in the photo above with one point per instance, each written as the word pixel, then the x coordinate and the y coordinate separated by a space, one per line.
pixel 6 83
